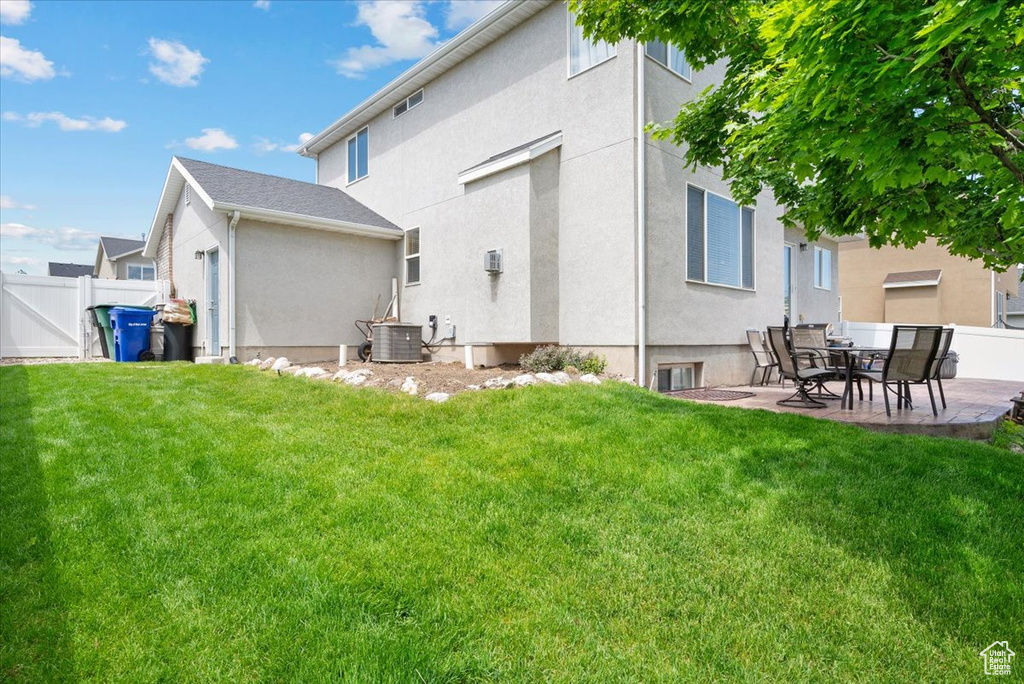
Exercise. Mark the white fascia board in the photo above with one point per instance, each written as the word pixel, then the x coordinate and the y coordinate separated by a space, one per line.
pixel 912 283
pixel 312 222
pixel 177 176
pixel 499 165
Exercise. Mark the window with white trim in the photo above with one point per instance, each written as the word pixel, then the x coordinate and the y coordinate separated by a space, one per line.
pixel 141 272
pixel 412 256
pixel 584 52
pixel 719 240
pixel 358 149
pixel 822 268
pixel 669 56
pixel 408 103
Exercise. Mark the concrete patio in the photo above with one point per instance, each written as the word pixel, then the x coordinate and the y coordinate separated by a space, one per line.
pixel 974 407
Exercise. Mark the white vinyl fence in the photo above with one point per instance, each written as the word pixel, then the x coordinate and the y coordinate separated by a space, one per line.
pixel 985 353
pixel 46 315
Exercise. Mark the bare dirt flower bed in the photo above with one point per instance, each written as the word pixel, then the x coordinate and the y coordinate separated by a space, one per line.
pixel 449 378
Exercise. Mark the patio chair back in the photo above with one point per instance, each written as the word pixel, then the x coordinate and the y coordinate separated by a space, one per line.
pixel 780 345
pixel 911 353
pixel 807 338
pixel 762 357
pixel 943 351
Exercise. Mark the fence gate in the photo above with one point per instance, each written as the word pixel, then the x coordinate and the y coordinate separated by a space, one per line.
pixel 46 315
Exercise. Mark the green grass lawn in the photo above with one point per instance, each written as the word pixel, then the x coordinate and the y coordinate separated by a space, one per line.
pixel 198 523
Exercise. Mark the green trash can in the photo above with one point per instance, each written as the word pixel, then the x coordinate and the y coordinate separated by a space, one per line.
pixel 102 314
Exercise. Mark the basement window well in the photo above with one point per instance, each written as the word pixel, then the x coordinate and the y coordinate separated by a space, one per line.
pixel 678 376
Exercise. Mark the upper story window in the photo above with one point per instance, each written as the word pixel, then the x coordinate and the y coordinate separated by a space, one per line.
pixel 408 103
pixel 583 52
pixel 412 256
pixel 668 55
pixel 141 272
pixel 822 268
pixel 719 240
pixel 358 147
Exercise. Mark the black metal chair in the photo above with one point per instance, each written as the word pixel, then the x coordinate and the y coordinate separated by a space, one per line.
pixel 940 356
pixel 789 367
pixel 764 361
pixel 912 352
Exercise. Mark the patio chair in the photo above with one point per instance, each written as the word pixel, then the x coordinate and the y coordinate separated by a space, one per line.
pixel 912 352
pixel 789 367
pixel 941 355
pixel 813 339
pixel 763 359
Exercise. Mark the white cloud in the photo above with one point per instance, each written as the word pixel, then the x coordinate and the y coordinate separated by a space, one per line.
pixel 68 239
pixel 21 261
pixel 23 64
pixel 14 12
pixel 212 139
pixel 66 123
pixel 267 145
pixel 402 31
pixel 462 13
pixel 262 4
pixel 176 65
pixel 6 202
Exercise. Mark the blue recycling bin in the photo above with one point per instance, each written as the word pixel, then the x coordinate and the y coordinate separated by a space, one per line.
pixel 131 332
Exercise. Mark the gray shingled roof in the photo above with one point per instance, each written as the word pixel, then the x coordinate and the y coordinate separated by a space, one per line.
pixel 226 185
pixel 69 270
pixel 913 276
pixel 115 246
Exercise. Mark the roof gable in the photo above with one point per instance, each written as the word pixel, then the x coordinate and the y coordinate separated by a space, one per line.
pixel 115 247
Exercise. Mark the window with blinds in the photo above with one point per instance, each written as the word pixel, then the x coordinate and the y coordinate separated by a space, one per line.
pixel 584 52
pixel 720 240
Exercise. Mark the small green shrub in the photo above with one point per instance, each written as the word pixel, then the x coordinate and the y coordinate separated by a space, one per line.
pixel 549 359
pixel 1009 435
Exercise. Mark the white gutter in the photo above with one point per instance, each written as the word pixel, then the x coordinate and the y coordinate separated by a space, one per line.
pixel 304 221
pixel 231 282
pixel 641 220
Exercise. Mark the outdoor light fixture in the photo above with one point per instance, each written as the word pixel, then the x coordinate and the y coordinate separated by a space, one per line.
pixel 199 254
pixel 803 246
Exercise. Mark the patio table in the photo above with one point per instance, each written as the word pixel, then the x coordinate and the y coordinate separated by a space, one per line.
pixel 849 353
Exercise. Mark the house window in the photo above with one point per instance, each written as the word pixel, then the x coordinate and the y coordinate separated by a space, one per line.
pixel 408 103
pixel 140 272
pixel 676 377
pixel 719 240
pixel 669 56
pixel 583 52
pixel 822 268
pixel 412 256
pixel 357 152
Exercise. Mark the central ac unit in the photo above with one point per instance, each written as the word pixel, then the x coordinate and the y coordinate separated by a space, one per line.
pixel 397 343
pixel 492 261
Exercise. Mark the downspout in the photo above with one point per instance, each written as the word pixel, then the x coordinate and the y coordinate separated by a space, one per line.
pixel 231 283
pixel 641 220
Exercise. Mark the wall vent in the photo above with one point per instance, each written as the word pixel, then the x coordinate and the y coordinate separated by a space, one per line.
pixel 188 194
pixel 493 261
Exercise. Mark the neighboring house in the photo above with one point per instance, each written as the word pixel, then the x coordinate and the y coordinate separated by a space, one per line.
pixel 536 210
pixel 1015 304
pixel 922 285
pixel 299 261
pixel 69 270
pixel 122 259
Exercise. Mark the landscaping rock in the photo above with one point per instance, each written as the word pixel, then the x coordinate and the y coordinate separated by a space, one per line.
pixel 550 378
pixel 590 379
pixel 524 380
pixel 365 372
pixel 410 386
pixel 497 383
pixel 563 376
pixel 253 362
pixel 355 380
pixel 312 372
pixel 341 375
pixel 473 388
pixel 280 364
pixel 439 397
pixel 267 363
pixel 397 382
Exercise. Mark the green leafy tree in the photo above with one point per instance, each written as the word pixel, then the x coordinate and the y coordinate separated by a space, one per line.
pixel 900 119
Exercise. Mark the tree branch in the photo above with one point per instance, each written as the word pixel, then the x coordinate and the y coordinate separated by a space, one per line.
pixel 1006 161
pixel 976 107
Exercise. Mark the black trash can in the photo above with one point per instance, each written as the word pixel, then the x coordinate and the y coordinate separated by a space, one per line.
pixel 178 342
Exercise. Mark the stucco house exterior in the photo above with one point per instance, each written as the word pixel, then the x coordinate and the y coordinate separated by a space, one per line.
pixel 122 259
pixel 276 266
pixel 923 285
pixel 532 208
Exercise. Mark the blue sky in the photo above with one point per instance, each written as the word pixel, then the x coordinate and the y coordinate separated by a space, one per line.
pixel 95 98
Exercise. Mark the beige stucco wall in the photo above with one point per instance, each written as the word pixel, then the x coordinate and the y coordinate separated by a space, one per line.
pixel 964 295
pixel 299 288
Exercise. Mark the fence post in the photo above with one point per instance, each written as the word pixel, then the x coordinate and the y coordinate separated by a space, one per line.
pixel 84 297
pixel 1 314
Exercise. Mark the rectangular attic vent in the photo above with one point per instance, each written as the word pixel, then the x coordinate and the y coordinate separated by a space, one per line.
pixel 492 261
